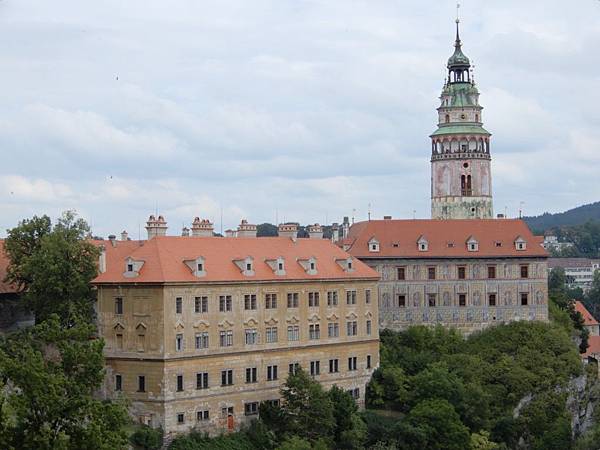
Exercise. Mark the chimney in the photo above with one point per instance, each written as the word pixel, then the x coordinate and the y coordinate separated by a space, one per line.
pixel 230 233
pixel 102 259
pixel 500 216
pixel 185 231
pixel 387 217
pixel 113 240
pixel 202 228
pixel 288 230
pixel 156 227
pixel 246 229
pixel 345 227
pixel 315 231
pixel 124 236
pixel 335 232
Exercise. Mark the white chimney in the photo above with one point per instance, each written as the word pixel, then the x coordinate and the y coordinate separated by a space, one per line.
pixel 113 240
pixel 335 232
pixel 156 227
pixel 185 232
pixel 246 229
pixel 124 236
pixel 315 231
pixel 288 230
pixel 102 259
pixel 202 228
pixel 230 233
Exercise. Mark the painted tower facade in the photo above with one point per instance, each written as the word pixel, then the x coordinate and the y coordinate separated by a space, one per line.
pixel 461 176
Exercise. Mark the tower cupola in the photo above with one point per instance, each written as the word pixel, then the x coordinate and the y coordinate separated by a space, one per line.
pixel 459 65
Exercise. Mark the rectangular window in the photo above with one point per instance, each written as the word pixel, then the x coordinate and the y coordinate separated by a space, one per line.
pixel 119 305
pixel 368 296
pixel 314 331
pixel 249 302
pixel 201 304
pixel 251 336
pixel 524 298
pixel 270 301
pixel 202 340
pixel 178 305
pixel 350 297
pixel 251 375
pixel 352 365
pixel 271 373
pixel 352 328
pixel 292 299
pixel 333 329
pixel 492 272
pixel 141 383
pixel 431 273
pixel 401 301
pixel 179 383
pixel 368 361
pixel 226 338
pixel 118 382
pixel 332 298
pixel 401 273
pixel 354 393
pixel 462 273
pixel 202 416
pixel 492 299
pixel 524 271
pixel 179 342
pixel 141 343
pixel 129 267
pixel 313 299
pixel 226 377
pixel 202 380
pixel 293 333
pixel 315 368
pixel 462 300
pixel 119 341
pixel 293 368
pixel 225 303
pixel 431 300
pixel 271 333
pixel 368 328
pixel 180 418
pixel 334 365
pixel 251 409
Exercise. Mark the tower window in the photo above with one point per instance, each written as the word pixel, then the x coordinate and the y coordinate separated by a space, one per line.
pixel 466 165
pixel 447 118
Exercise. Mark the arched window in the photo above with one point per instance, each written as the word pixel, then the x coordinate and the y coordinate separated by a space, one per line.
pixel 463 185
pixel 476 117
pixel 469 186
pixel 447 118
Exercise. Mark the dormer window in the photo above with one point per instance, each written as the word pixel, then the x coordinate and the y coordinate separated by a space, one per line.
pixel 347 264
pixel 373 245
pixel 197 266
pixel 312 266
pixel 472 244
pixel 129 267
pixel 280 266
pixel 277 265
pixel 520 244
pixel 132 268
pixel 423 244
pixel 200 267
pixel 246 265
pixel 309 265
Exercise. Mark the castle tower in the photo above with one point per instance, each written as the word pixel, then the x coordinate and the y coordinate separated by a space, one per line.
pixel 461 177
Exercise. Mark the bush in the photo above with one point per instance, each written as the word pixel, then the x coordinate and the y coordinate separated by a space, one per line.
pixel 147 438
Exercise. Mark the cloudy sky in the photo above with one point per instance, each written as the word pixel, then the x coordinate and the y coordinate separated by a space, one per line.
pixel 302 110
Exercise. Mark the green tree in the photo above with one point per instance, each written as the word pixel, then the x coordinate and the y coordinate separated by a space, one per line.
pixel 388 388
pixel 54 266
pixel 307 408
pixel 147 438
pixel 52 374
pixel 350 431
pixel 440 424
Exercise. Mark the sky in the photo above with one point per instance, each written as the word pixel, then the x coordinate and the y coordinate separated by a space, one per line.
pixel 284 110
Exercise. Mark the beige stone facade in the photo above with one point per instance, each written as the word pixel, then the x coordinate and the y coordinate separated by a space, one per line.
pixel 173 334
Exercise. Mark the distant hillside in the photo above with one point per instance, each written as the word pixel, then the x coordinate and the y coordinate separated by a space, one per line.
pixel 573 217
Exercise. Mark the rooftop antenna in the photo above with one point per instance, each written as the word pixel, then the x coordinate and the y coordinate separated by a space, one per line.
pixel 353 214
pixel 369 213
pixel 521 209
pixel 414 214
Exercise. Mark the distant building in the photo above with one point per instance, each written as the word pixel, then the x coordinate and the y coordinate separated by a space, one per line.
pixel 12 313
pixel 589 322
pixel 551 243
pixel 579 271
pixel 200 330
pixel 467 274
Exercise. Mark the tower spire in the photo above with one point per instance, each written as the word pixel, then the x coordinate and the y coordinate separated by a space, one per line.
pixel 457 43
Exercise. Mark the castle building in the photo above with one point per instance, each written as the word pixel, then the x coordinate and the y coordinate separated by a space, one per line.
pixel 199 330
pixel 466 274
pixel 461 176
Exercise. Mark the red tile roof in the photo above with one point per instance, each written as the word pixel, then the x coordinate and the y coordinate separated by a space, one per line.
pixel 164 259
pixel 446 238
pixel 588 319
pixel 593 347
pixel 5 288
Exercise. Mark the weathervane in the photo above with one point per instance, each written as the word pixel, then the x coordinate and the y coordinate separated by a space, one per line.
pixel 458 12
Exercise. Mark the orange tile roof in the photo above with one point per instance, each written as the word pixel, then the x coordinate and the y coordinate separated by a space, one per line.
pixel 446 238
pixel 164 259
pixel 588 319
pixel 593 347
pixel 5 288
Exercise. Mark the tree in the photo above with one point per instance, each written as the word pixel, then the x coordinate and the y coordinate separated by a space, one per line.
pixel 350 431
pixel 50 375
pixel 307 407
pixel 389 387
pixel 53 266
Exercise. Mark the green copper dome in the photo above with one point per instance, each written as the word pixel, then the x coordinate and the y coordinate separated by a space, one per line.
pixel 458 59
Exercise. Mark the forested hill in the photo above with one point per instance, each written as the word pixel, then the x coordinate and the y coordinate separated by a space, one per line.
pixel 573 217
